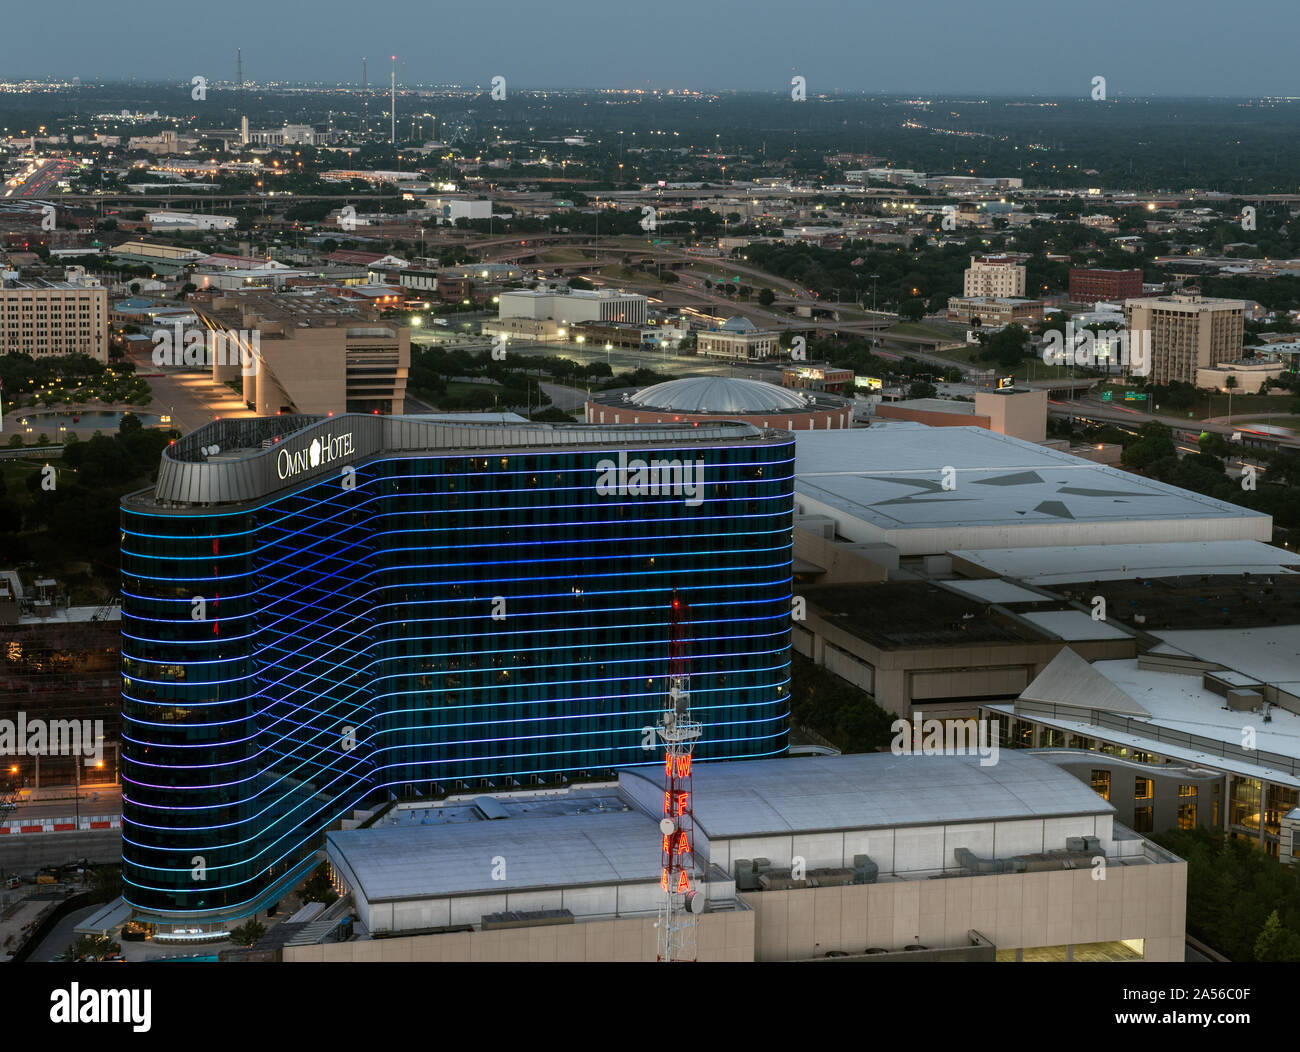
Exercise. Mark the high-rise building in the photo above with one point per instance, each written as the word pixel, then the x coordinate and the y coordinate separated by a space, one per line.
pixel 1097 284
pixel 320 611
pixel 1188 332
pixel 995 277
pixel 55 318
pixel 309 353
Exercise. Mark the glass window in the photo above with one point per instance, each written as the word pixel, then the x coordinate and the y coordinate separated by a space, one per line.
pixel 1101 784
pixel 1187 790
pixel 1186 816
pixel 1142 819
pixel 1244 803
pixel 1143 788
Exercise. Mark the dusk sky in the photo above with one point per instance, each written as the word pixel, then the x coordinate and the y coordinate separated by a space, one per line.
pixel 999 47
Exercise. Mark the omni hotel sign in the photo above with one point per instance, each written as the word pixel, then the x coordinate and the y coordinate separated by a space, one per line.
pixel 318 453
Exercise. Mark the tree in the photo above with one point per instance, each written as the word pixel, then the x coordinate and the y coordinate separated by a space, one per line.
pixel 921 389
pixel 318 887
pixel 249 933
pixel 92 948
pixel 1007 346
pixel 766 297
pixel 1230 384
pixel 912 310
pixel 1275 942
pixel 1155 444
pixel 1214 444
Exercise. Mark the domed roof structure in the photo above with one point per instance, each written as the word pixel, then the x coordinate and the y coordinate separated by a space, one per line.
pixel 718 394
pixel 739 324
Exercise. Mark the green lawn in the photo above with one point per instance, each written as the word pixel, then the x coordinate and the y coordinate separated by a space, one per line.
pixel 947 330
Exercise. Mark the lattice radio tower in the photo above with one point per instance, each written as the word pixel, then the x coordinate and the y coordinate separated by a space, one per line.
pixel 682 903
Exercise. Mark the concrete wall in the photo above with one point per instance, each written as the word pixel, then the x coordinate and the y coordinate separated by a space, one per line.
pixel 843 565
pixel 725 936
pixel 1012 910
pixel 931 417
pixel 411 914
pixel 818 420
pixel 1020 415
pixel 913 849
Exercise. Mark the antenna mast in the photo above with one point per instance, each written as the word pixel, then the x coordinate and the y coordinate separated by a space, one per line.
pixel 682 902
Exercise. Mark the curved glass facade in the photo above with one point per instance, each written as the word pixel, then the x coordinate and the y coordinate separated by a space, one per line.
pixel 433 620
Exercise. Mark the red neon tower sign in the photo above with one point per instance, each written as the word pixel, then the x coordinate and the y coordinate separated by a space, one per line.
pixel 682 902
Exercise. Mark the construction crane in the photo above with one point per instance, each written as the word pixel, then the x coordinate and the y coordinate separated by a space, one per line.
pixel 682 902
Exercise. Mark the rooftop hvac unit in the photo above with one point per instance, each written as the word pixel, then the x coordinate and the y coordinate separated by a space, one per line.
pixel 864 870
pixel 1091 843
pixel 1076 843
pixel 1244 700
pixel 746 875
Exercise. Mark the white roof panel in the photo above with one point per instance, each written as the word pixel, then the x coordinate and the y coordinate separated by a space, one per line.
pixel 877 790
pixel 1120 562
pixel 894 479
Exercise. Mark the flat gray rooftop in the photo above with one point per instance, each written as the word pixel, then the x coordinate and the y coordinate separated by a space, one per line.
pixel 994 590
pixel 877 791
pixel 1073 624
pixel 893 479
pixel 437 861
pixel 1121 562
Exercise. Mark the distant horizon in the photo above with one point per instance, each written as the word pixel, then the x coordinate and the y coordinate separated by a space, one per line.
pixel 381 88
pixel 1002 48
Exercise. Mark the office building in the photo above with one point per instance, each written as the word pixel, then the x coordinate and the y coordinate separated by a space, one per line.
pixel 320 611
pixel 995 277
pixel 1188 333
pixel 47 319
pixel 1098 284
pixel 310 352
pixel 992 310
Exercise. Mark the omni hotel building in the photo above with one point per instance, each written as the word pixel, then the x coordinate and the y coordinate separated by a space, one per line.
pixel 319 612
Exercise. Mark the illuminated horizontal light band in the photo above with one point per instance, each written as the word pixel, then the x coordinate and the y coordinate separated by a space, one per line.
pixel 322 627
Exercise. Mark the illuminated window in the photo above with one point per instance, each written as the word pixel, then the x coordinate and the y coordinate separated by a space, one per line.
pixel 1143 789
pixel 1101 784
